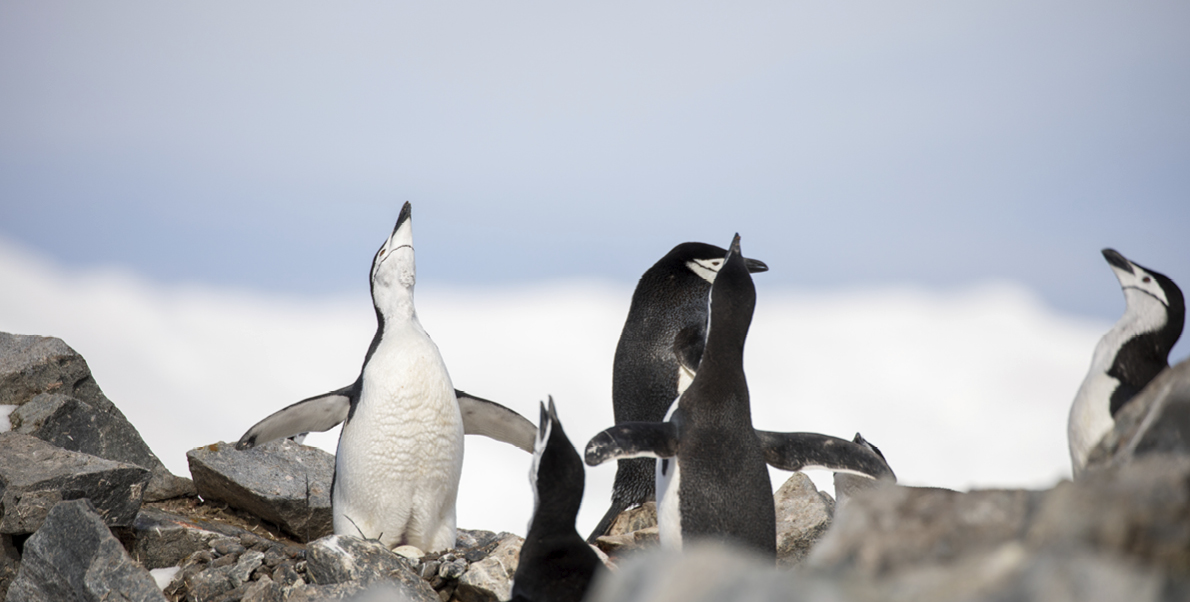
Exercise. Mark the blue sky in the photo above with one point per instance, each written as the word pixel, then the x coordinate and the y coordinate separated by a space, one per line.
pixel 269 145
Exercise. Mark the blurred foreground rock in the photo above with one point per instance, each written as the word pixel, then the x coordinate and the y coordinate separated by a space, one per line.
pixel 1156 421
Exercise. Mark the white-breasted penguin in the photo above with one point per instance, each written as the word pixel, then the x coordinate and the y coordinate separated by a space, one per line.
pixel 717 483
pixel 669 305
pixel 400 452
pixel 556 564
pixel 1128 357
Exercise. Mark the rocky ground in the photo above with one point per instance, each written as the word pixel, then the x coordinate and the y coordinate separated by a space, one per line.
pixel 87 512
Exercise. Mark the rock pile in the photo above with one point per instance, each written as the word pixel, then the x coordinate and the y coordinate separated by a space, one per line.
pixel 87 512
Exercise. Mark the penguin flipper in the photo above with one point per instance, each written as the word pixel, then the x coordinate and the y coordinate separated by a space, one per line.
pixel 492 420
pixel 318 413
pixel 802 451
pixel 633 440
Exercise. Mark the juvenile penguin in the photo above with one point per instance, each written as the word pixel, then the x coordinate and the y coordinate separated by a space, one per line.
pixel 668 306
pixel 400 452
pixel 716 483
pixel 556 564
pixel 1130 355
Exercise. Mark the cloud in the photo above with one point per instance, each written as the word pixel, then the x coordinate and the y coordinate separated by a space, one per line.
pixel 959 389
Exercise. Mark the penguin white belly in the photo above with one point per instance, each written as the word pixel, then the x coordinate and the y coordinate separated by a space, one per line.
pixel 1090 416
pixel 401 453
pixel 669 513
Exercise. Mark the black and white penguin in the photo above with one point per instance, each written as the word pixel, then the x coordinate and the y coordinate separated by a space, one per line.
pixel 716 483
pixel 1130 355
pixel 400 452
pixel 667 317
pixel 556 564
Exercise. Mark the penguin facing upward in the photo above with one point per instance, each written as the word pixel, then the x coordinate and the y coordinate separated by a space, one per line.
pixel 1129 356
pixel 716 480
pixel 400 452
pixel 556 564
pixel 669 305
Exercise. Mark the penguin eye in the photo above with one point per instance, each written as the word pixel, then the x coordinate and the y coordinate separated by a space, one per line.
pixel 1146 280
pixel 716 262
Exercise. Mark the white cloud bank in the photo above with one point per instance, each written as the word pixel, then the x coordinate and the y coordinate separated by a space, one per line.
pixel 961 389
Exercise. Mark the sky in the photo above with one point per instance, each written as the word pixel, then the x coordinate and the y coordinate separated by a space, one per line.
pixel 930 167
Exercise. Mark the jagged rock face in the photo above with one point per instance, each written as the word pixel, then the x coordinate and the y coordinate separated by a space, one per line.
pixel 67 408
pixel 280 481
pixel 73 556
pixel 1156 421
pixel 37 475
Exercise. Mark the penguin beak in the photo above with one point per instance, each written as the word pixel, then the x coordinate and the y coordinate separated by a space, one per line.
pixel 755 265
pixel 1117 261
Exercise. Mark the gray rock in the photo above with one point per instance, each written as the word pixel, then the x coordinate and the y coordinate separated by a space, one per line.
pixel 803 516
pixel 264 590
pixel 161 539
pixel 37 475
pixel 1139 510
pixel 1157 420
pixel 73 556
pixel 31 365
pixel 490 579
pixel 634 519
pixel 707 572
pixel 281 481
pixel 10 563
pixel 338 559
pixel 885 529
pixel 76 426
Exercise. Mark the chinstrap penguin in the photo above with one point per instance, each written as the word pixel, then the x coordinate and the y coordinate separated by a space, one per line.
pixel 556 564
pixel 1128 357
pixel 714 484
pixel 400 451
pixel 669 305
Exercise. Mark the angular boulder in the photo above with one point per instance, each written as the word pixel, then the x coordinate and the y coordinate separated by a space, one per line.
pixel 490 579
pixel 37 475
pixel 73 556
pixel 803 516
pixel 31 366
pixel 339 559
pixel 281 481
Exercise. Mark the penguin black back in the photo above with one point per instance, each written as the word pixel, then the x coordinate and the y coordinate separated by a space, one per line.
pixel 556 564
pixel 724 490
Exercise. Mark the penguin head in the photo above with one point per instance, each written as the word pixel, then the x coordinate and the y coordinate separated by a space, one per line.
pixel 556 476
pixel 732 301
pixel 705 260
pixel 1151 297
pixel 393 266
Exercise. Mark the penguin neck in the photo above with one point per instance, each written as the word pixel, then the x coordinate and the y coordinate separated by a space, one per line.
pixel 394 306
pixel 1145 318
